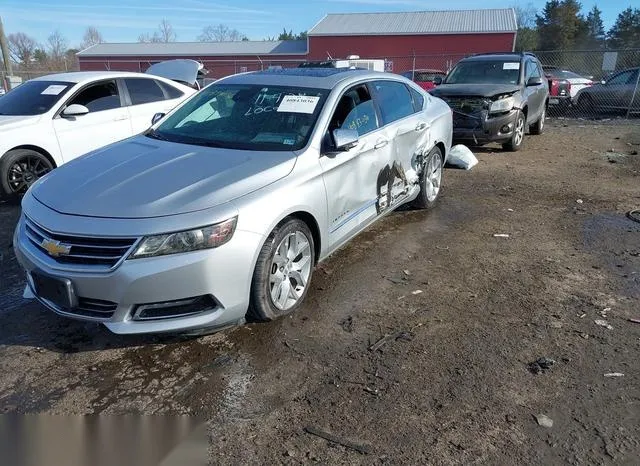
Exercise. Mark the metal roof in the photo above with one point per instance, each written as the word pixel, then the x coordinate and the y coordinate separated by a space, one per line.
pixel 417 22
pixel 197 49
pixel 319 78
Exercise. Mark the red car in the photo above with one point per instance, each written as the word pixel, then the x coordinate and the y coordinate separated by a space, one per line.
pixel 424 78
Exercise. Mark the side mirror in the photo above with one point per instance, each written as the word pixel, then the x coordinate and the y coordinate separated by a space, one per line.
pixel 156 118
pixel 534 81
pixel 345 139
pixel 74 110
pixel 437 80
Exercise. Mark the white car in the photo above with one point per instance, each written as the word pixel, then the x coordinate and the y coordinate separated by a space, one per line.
pixel 577 82
pixel 51 120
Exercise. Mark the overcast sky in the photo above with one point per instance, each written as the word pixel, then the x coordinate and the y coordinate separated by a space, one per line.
pixel 125 20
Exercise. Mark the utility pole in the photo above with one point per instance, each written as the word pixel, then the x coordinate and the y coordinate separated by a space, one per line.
pixel 5 56
pixel 5 50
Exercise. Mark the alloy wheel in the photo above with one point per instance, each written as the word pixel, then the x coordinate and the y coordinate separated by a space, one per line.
pixel 290 270
pixel 433 177
pixel 26 171
pixel 519 131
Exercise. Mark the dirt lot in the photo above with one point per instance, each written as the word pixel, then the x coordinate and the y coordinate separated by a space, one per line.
pixel 451 383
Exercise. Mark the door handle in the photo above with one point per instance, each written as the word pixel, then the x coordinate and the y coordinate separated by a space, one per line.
pixel 421 127
pixel 381 143
pixel 121 117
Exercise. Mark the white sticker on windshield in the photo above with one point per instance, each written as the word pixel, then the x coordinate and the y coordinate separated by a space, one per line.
pixel 298 103
pixel 54 89
pixel 511 66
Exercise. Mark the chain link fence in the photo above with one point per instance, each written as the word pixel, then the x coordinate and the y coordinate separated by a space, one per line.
pixel 582 84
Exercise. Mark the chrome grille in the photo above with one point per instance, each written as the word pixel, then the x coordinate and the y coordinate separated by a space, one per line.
pixel 97 253
pixel 467 104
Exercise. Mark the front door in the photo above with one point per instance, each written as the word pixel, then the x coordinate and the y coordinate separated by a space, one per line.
pixel 535 94
pixel 350 177
pixel 106 122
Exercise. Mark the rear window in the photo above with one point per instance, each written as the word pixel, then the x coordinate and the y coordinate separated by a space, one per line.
pixel 418 100
pixel 33 97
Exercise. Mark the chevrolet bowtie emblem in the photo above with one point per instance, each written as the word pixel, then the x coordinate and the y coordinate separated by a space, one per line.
pixel 55 248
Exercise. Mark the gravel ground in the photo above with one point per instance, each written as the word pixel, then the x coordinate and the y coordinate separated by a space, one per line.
pixel 416 340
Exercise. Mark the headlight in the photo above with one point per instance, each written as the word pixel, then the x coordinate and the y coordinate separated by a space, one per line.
pixel 502 105
pixel 207 237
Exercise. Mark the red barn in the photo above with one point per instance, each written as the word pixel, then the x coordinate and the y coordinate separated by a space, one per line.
pixel 422 39
pixel 426 39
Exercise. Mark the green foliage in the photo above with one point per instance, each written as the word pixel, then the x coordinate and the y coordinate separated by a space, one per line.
pixel 561 25
pixel 625 33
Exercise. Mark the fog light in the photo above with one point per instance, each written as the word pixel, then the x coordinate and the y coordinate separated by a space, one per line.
pixel 177 308
pixel 506 128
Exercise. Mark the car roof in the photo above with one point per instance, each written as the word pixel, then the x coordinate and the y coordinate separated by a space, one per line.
pixel 83 76
pixel 497 56
pixel 321 78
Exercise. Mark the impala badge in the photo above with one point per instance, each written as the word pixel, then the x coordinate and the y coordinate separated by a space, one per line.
pixel 55 248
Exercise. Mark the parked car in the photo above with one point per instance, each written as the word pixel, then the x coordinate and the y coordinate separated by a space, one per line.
pixel 50 120
pixel 577 81
pixel 620 91
pixel 494 98
pixel 225 205
pixel 425 78
pixel 559 92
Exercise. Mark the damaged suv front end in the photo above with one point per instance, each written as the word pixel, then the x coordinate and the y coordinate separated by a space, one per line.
pixel 494 97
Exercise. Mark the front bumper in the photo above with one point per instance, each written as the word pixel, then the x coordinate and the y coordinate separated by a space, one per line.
pixel 482 128
pixel 224 274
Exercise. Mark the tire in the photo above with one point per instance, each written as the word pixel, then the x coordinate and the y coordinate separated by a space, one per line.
pixel 19 169
pixel 538 127
pixel 268 286
pixel 430 181
pixel 585 104
pixel 515 143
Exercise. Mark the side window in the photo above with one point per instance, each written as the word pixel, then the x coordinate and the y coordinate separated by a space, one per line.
pixel 531 70
pixel 144 90
pixel 394 100
pixel 418 100
pixel 99 97
pixel 622 78
pixel 172 92
pixel 355 110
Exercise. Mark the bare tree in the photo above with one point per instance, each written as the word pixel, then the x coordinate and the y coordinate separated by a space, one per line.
pixel 526 16
pixel 91 37
pixel 220 33
pixel 57 45
pixel 165 33
pixel 22 48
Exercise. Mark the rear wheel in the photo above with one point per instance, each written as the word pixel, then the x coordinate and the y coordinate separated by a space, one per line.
pixel 283 271
pixel 538 126
pixel 20 168
pixel 515 143
pixel 430 181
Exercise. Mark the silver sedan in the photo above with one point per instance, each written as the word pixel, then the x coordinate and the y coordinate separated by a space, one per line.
pixel 225 205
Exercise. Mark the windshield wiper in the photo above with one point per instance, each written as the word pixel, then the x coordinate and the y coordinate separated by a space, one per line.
pixel 155 135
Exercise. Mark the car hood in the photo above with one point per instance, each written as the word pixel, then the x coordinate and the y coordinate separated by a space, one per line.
pixel 142 177
pixel 8 122
pixel 482 90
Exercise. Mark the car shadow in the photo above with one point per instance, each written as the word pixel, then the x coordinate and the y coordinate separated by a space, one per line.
pixel 31 325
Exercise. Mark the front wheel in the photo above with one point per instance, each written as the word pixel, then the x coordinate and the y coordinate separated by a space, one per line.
pixel 20 168
pixel 515 143
pixel 283 271
pixel 430 181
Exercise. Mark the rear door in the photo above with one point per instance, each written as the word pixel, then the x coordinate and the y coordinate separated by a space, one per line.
pixel 106 122
pixel 407 131
pixel 146 97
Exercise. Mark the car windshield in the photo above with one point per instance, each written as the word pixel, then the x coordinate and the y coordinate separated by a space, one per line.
pixel 485 72
pixel 33 97
pixel 249 117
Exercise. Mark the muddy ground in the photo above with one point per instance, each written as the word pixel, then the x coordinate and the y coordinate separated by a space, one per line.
pixel 451 383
